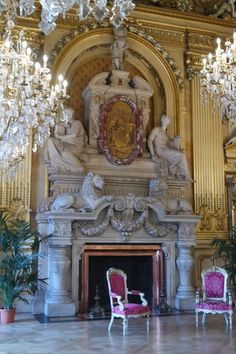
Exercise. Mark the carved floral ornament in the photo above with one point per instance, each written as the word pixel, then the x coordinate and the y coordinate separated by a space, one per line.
pixel 211 221
pixel 126 215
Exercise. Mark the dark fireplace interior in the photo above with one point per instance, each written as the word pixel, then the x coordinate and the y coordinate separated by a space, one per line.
pixel 139 276
pixel 143 265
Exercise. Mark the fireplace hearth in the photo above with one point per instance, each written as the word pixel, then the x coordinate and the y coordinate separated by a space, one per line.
pixel 141 263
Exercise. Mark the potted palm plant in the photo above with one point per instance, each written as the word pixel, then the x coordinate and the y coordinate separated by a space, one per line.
pixel 19 252
pixel 226 249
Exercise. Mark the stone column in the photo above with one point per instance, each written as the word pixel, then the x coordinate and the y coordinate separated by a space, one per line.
pixel 58 296
pixel 185 297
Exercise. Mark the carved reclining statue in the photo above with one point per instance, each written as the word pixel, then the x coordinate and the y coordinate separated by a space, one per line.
pixel 89 198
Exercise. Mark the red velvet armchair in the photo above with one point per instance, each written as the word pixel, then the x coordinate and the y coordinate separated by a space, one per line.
pixel 216 298
pixel 120 307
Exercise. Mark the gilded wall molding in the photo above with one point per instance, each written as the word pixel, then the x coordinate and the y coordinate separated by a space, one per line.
pixel 68 37
pixel 150 68
pixel 18 187
pixel 193 64
pixel 208 157
pixel 211 222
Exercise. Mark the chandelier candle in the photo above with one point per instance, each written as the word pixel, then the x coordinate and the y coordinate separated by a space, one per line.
pixel 29 104
pixel 218 79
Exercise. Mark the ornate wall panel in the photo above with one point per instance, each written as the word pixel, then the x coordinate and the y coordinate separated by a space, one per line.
pixel 17 187
pixel 208 165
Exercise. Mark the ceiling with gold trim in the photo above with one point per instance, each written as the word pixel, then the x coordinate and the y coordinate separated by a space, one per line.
pixel 204 7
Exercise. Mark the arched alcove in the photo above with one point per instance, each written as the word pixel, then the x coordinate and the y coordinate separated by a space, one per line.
pixel 147 60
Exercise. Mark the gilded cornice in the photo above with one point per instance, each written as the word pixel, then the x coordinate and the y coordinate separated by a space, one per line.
pixel 166 35
pixel 198 44
pixel 195 18
pixel 33 37
pixel 199 40
pixel 31 21
pixel 153 15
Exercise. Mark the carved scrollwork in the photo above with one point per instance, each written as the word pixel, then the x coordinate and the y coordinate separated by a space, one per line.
pixel 126 215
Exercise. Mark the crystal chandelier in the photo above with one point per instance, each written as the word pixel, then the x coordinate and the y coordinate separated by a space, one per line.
pixel 218 79
pixel 116 10
pixel 28 102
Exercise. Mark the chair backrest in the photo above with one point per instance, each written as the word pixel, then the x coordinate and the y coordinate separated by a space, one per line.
pixel 117 283
pixel 214 283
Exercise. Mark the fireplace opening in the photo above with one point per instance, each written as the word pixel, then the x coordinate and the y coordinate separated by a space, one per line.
pixel 137 268
pixel 143 265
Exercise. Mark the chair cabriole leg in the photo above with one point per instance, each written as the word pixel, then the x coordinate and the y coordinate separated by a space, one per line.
pixel 110 324
pixel 196 318
pixel 148 320
pixel 230 320
pixel 226 319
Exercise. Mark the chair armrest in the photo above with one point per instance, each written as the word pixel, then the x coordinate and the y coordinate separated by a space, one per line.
pixel 118 298
pixel 230 297
pixel 136 292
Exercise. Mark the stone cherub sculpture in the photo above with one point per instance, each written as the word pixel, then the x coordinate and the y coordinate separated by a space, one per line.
pixel 119 47
pixel 227 9
pixel 65 152
pixel 161 146
pixel 89 198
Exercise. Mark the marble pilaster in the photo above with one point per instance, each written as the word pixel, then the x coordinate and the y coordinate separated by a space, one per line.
pixel 58 296
pixel 185 295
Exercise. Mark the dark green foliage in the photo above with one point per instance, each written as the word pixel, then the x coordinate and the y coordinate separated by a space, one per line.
pixel 226 249
pixel 19 252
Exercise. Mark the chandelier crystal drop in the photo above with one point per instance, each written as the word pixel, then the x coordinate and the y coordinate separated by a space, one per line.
pixel 28 102
pixel 218 79
pixel 116 10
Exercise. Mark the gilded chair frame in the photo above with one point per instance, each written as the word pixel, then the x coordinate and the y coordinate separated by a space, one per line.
pixel 122 302
pixel 224 301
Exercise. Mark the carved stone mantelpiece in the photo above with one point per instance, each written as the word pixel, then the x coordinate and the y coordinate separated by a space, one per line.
pixel 63 262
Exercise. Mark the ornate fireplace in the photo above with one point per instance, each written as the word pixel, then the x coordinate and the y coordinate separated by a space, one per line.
pixel 128 206
pixel 70 252
pixel 142 264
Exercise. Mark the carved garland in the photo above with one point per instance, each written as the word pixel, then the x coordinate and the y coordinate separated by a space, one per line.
pixel 136 216
pixel 136 30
